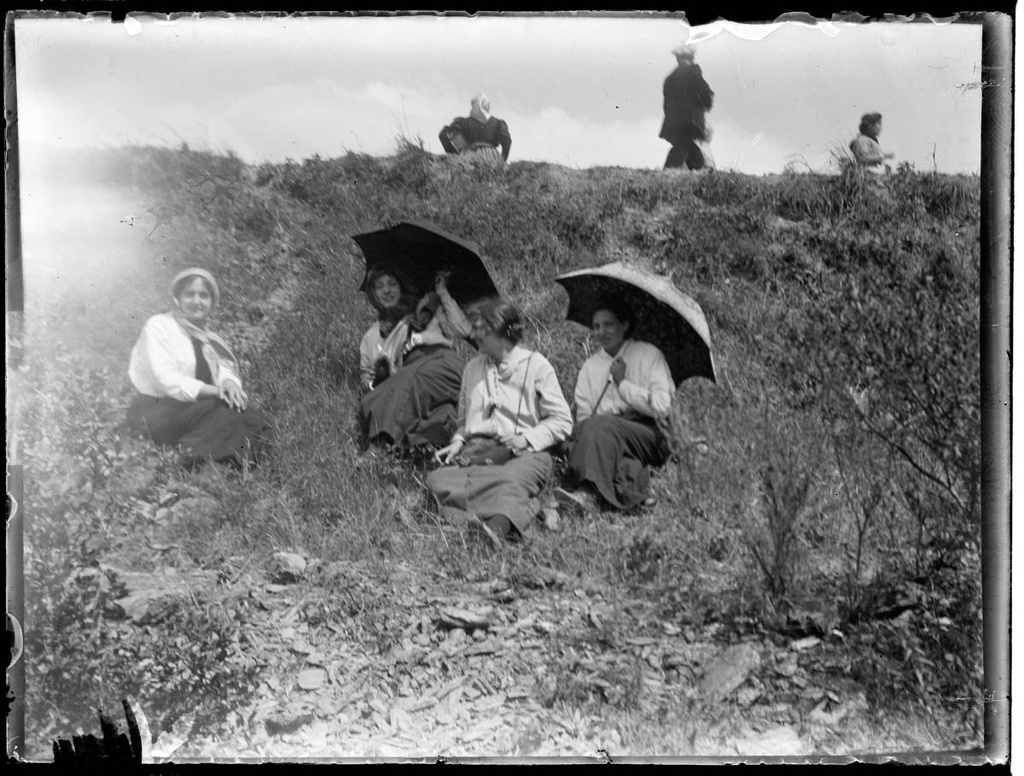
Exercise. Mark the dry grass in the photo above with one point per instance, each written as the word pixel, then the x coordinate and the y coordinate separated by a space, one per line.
pixel 277 236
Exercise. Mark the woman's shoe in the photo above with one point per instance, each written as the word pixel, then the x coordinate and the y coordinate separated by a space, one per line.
pixel 480 530
pixel 578 501
pixel 569 499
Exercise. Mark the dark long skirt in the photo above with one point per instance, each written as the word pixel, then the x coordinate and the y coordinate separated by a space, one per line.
pixel 613 454
pixel 418 404
pixel 206 429
pixel 509 489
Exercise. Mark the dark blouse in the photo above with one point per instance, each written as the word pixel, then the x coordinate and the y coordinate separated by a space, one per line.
pixel 493 133
pixel 202 367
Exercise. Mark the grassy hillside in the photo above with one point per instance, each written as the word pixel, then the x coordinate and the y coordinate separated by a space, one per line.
pixel 828 483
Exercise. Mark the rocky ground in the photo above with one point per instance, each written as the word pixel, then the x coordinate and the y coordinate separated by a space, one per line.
pixel 371 658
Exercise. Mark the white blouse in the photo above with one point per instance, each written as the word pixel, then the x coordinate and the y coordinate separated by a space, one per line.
pixel 448 323
pixel 163 362
pixel 868 153
pixel 521 395
pixel 647 386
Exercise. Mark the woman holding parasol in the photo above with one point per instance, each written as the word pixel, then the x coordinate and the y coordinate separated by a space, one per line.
pixel 410 372
pixel 624 391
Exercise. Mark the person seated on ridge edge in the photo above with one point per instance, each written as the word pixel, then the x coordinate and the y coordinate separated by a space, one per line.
pixel 478 132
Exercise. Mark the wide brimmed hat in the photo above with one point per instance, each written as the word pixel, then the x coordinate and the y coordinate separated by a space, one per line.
pixel 201 273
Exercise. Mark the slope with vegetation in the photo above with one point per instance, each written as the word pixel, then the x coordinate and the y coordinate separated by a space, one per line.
pixel 824 493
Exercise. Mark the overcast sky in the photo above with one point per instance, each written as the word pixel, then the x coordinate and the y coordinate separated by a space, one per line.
pixel 577 91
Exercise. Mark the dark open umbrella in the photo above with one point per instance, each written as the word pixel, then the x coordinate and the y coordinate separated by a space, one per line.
pixel 419 250
pixel 663 315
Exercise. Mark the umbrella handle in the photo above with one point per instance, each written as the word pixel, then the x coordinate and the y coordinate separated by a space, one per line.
pixel 603 392
pixel 609 380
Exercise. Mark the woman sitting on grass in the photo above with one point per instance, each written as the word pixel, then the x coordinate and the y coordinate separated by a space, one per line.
pixel 622 392
pixel 189 390
pixel 511 412
pixel 410 373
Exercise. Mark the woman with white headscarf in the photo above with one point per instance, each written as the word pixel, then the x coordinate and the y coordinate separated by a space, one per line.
pixel 189 389
pixel 480 131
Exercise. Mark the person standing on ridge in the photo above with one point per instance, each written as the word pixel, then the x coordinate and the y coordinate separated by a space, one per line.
pixel 480 131
pixel 687 98
pixel 866 150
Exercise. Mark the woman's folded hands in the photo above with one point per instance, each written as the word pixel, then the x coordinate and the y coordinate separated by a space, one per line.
pixel 450 452
pixel 233 395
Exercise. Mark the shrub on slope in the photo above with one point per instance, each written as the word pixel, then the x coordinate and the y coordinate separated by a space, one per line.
pixel 837 456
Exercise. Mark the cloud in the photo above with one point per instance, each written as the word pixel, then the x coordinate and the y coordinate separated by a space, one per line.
pixel 751 151
pixel 324 117
pixel 575 91
pixel 553 135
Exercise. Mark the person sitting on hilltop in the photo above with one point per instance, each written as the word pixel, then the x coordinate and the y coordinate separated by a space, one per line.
pixel 189 390
pixel 511 414
pixel 410 373
pixel 622 393
pixel 866 150
pixel 478 132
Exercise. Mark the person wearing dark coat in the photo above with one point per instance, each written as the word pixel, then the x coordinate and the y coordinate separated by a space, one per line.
pixel 477 132
pixel 687 98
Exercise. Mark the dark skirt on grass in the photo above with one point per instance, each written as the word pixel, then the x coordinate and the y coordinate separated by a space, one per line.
pixel 206 429
pixel 509 489
pixel 418 404
pixel 613 453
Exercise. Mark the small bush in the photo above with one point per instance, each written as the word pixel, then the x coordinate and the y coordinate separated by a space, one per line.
pixel 787 481
pixel 836 304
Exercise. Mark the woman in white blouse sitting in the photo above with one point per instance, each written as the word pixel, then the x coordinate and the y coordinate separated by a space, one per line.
pixel 189 389
pixel 511 412
pixel 623 391
pixel 410 373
